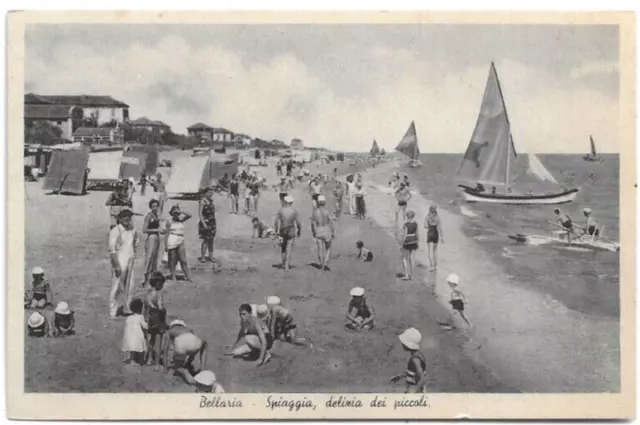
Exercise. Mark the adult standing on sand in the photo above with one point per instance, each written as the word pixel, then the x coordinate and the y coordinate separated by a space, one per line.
pixel 323 232
pixel 350 192
pixel 315 189
pixel 151 228
pixel 207 225
pixel 123 243
pixel 174 242
pixel 287 227
pixel 409 244
pixel 403 196
pixel 116 201
pixel 434 236
pixel 234 193
pixel 161 191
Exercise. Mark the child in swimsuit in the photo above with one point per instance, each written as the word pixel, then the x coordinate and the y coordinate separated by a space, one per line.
pixel 205 382
pixel 434 236
pixel 260 229
pixel 360 314
pixel 364 254
pixel 415 376
pixel 458 299
pixel 64 320
pixel 40 295
pixel 280 322
pixel 156 316
pixel 409 244
pixel 39 326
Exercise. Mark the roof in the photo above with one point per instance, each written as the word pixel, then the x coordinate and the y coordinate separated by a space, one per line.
pixel 147 122
pixel 77 100
pixel 47 111
pixel 199 126
pixel 221 130
pixel 92 131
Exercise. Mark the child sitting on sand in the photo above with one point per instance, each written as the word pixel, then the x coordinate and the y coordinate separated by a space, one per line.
pixel 252 337
pixel 359 314
pixel 260 229
pixel 280 322
pixel 134 344
pixel 155 315
pixel 64 320
pixel 457 300
pixel 40 295
pixel 39 326
pixel 363 253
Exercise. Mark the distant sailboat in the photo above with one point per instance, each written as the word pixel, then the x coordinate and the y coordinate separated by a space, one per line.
pixel 491 155
pixel 375 150
pixel 409 146
pixel 593 156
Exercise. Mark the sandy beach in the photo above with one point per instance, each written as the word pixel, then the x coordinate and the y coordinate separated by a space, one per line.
pixel 340 361
pixel 528 340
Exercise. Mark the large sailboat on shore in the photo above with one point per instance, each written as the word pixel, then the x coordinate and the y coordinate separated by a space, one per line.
pixel 409 146
pixel 490 159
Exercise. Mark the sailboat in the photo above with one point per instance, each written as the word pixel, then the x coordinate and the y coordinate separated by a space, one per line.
pixel 409 146
pixel 593 156
pixel 491 155
pixel 375 150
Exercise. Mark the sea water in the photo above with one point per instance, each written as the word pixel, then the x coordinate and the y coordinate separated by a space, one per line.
pixel 582 280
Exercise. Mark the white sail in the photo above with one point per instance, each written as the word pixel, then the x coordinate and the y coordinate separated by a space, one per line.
pixel 539 170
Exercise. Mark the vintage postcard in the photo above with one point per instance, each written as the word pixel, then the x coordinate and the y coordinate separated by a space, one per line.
pixel 287 215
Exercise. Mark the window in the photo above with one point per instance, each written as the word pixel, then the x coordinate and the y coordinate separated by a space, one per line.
pixel 59 123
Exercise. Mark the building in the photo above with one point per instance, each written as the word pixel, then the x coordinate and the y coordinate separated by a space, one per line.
pixel 241 139
pixel 222 135
pixel 104 109
pixel 201 131
pixel 61 116
pixel 94 136
pixel 144 123
pixel 297 144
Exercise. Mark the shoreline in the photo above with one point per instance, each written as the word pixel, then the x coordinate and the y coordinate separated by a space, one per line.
pixel 526 338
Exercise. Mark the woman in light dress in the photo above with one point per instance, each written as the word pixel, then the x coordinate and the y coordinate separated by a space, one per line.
pixel 174 242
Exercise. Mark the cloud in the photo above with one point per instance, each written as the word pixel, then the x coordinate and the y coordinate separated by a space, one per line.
pixel 366 94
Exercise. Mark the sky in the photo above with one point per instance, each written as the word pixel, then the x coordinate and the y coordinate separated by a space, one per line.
pixel 342 86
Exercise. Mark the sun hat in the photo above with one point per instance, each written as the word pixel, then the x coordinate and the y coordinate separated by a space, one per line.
pixel 273 300
pixel 587 210
pixel 411 338
pixel 205 378
pixel 177 322
pixel 288 199
pixel 262 310
pixel 37 270
pixel 357 292
pixel 62 308
pixel 132 180
pixel 125 212
pixel 35 320
pixel 321 198
pixel 453 278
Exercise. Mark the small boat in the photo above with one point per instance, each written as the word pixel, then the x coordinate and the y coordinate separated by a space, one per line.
pixel 490 158
pixel 409 146
pixel 560 237
pixel 593 156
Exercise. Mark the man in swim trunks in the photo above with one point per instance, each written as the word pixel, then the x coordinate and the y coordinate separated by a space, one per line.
pixel 287 227
pixel 403 195
pixel 282 190
pixel 564 221
pixel 323 231
pixel 315 188
pixel 186 346
pixel 591 227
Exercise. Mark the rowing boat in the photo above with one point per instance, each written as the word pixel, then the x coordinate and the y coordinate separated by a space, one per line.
pixel 560 237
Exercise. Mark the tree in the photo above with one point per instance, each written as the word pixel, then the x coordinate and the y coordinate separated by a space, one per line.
pixel 42 132
pixel 90 121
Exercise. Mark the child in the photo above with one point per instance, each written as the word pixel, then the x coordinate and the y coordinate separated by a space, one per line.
pixel 134 344
pixel 253 337
pixel 457 298
pixel 155 316
pixel 415 377
pixel 338 194
pixel 280 322
pixel 359 314
pixel 363 253
pixel 40 295
pixel 409 244
pixel 206 382
pixel 186 347
pixel 360 207
pixel 38 326
pixel 64 320
pixel 260 229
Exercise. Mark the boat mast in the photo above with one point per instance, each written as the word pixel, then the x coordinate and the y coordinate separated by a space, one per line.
pixel 508 176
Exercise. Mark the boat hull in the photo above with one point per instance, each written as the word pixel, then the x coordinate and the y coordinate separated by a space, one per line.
pixel 471 195
pixel 596 245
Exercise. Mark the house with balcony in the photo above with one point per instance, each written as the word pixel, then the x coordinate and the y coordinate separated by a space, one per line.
pixel 99 136
pixel 201 131
pixel 297 144
pixel 145 124
pixel 103 109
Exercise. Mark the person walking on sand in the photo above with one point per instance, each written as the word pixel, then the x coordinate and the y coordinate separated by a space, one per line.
pixel 207 225
pixel 403 196
pixel 287 227
pixel 434 236
pixel 174 242
pixel 234 193
pixel 123 243
pixel 161 191
pixel 315 189
pixel 338 194
pixel 358 196
pixel 457 300
pixel 116 201
pixel 415 374
pixel 409 244
pixel 323 232
pixel 151 228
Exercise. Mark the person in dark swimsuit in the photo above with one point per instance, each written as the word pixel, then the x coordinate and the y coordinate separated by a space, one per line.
pixel 64 320
pixel 409 244
pixel 207 225
pixel 415 376
pixel 151 228
pixel 565 222
pixel 360 315
pixel 287 226
pixel 234 193
pixel 156 317
pixel 434 236
pixel 403 195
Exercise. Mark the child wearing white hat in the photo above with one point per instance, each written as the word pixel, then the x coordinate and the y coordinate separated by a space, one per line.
pixel 457 298
pixel 415 376
pixel 360 314
pixel 39 326
pixel 64 320
pixel 280 322
pixel 40 295
pixel 205 382
pixel 186 347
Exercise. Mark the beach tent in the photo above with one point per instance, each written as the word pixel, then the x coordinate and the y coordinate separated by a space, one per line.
pixel 147 155
pixel 188 176
pixel 66 171
pixel 104 167
pixel 220 164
